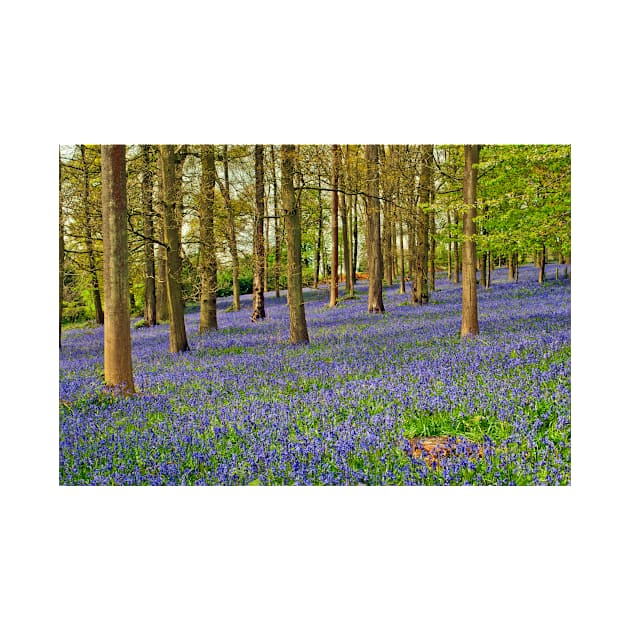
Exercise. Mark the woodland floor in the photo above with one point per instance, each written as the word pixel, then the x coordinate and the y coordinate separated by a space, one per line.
pixel 353 407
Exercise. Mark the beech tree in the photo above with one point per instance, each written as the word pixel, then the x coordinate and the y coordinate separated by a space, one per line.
pixel 225 191
pixel 89 240
pixel 178 341
pixel 61 248
pixel 259 242
pixel 470 323
pixel 298 332
pixel 345 230
pixel 334 229
pixel 117 329
pixel 150 306
pixel 207 247
pixel 375 256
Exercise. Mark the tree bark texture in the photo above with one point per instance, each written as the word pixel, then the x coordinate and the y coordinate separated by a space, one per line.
pixel 422 254
pixel 297 318
pixel 117 327
pixel 150 307
pixel 161 298
pixel 178 341
pixel 61 250
pixel 320 228
pixel 236 287
pixel 278 238
pixel 456 250
pixel 89 242
pixel 207 247
pixel 258 311
pixel 334 230
pixel 345 233
pixel 470 323
pixel 375 256
pixel 403 288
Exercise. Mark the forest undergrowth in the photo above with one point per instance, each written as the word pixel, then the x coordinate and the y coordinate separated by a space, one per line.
pixel 244 407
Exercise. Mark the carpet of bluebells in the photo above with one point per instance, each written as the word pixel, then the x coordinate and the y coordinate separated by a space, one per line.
pixel 244 407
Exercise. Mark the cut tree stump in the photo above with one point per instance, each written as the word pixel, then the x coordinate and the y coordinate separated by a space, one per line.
pixel 432 449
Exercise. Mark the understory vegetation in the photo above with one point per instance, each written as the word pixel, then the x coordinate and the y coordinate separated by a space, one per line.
pixel 245 407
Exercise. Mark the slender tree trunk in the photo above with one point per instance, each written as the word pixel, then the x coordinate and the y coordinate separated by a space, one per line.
pixel 403 288
pixel 449 263
pixel 375 256
pixel 178 341
pixel 432 251
pixel 150 308
pixel 334 230
pixel 456 259
pixel 541 265
pixel 258 311
pixel 483 271
pixel 422 259
pixel 387 243
pixel 207 248
pixel 297 318
pixel 510 266
pixel 117 328
pixel 470 323
pixel 61 250
pixel 320 229
pixel 266 259
pixel 355 227
pixel 276 226
pixel 89 243
pixel 236 287
pixel 161 299
pixel 413 258
pixel 347 261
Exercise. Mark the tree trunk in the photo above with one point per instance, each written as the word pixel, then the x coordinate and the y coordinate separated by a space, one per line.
pixel 297 318
pixel 117 328
pixel 470 323
pixel 422 254
pixel 89 243
pixel 449 270
pixel 334 230
pixel 456 259
pixel 150 308
pixel 276 227
pixel 258 311
pixel 432 251
pixel 541 265
pixel 161 299
pixel 266 248
pixel 207 247
pixel 61 250
pixel 386 240
pixel 403 289
pixel 347 262
pixel 178 341
pixel 355 226
pixel 320 228
pixel 375 256
pixel 236 287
